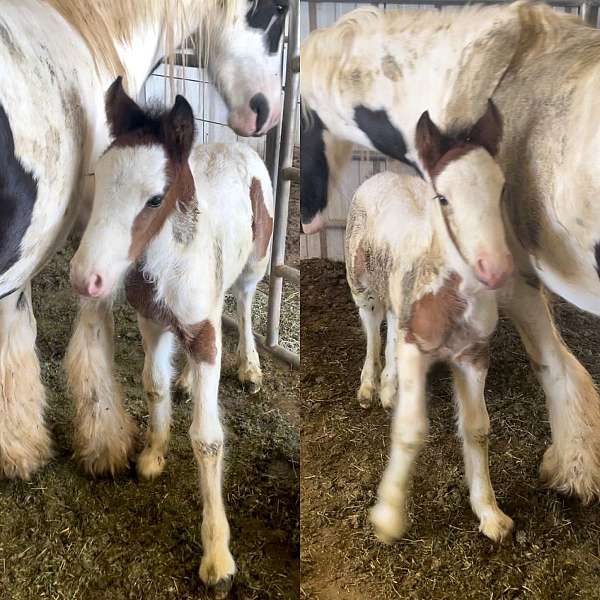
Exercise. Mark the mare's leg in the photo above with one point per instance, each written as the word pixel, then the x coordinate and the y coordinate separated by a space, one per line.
pixel 371 314
pixel 388 392
pixel 217 567
pixel 571 463
pixel 104 432
pixel 158 371
pixel 25 443
pixel 409 428
pixel 474 427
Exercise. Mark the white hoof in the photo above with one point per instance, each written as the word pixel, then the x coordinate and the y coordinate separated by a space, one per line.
pixel 573 469
pixel 250 376
pixel 366 394
pixel 496 525
pixel 150 464
pixel 217 572
pixel 387 395
pixel 390 522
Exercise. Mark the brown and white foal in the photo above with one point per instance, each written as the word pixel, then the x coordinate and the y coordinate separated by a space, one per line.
pixel 431 254
pixel 180 224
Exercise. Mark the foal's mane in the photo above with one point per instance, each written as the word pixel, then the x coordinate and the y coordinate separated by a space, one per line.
pixel 104 23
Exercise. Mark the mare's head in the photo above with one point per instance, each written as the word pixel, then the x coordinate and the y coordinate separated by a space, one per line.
pixel 244 62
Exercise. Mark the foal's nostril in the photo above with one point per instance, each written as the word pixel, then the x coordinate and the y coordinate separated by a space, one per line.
pixel 260 105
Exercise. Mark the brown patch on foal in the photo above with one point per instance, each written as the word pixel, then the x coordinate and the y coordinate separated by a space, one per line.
pixel 149 221
pixel 434 316
pixel 262 221
pixel 198 339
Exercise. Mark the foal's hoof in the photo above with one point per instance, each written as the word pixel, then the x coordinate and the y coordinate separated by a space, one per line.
pixel 217 572
pixel 388 395
pixel 250 377
pixel 253 388
pixel 389 522
pixel 366 394
pixel 150 464
pixel 222 588
pixel 496 526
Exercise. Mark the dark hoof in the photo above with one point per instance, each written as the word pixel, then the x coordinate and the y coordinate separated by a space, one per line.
pixel 253 388
pixel 221 589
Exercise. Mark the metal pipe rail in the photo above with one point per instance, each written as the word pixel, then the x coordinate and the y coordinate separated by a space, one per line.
pixel 279 270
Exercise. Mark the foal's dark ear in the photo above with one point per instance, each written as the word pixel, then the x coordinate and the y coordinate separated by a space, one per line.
pixel 122 113
pixel 180 129
pixel 487 132
pixel 429 142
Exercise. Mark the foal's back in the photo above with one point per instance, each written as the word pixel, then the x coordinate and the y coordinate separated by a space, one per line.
pixel 388 229
pixel 235 198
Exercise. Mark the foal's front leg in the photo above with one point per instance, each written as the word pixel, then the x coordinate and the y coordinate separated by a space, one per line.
pixel 217 567
pixel 104 432
pixel 157 375
pixel 474 427
pixel 409 428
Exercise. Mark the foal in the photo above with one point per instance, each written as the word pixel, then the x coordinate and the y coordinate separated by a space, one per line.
pixel 432 259
pixel 181 224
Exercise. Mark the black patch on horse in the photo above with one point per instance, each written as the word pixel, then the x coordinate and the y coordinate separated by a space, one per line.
pixel 314 171
pixel 383 135
pixel 22 302
pixel 597 255
pixel 269 15
pixel 18 193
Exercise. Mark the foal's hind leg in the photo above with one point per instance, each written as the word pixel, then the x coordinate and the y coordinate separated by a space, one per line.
pixel 104 432
pixel 474 427
pixel 24 440
pixel 388 392
pixel 158 371
pixel 249 372
pixel 371 314
pixel 572 463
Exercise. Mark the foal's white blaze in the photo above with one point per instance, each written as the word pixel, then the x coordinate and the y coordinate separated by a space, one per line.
pixel 473 187
pixel 126 178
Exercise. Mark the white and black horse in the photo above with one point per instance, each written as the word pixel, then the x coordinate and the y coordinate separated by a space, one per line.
pixel 367 79
pixel 57 59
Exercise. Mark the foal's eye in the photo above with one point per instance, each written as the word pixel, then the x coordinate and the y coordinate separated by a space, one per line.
pixel 442 199
pixel 281 8
pixel 155 201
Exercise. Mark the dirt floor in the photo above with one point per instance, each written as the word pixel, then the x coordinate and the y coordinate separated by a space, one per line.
pixel 64 536
pixel 555 550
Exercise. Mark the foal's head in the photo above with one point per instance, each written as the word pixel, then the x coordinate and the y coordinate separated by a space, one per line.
pixel 468 184
pixel 142 180
pixel 245 63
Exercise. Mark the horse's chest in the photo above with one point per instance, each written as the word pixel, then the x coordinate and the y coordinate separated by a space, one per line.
pixel 198 339
pixel 445 324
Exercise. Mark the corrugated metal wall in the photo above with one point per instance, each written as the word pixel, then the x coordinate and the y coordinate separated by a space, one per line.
pixel 330 242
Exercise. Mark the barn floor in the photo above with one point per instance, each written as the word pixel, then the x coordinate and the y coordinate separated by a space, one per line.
pixel 555 551
pixel 64 536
